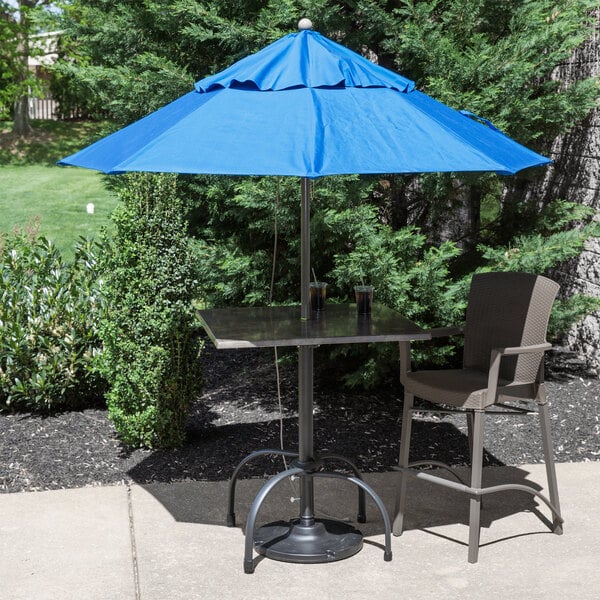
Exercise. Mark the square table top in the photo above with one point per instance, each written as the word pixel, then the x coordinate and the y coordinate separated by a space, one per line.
pixel 255 327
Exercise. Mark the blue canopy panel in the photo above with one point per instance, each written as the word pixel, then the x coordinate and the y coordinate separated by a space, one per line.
pixel 304 59
pixel 307 133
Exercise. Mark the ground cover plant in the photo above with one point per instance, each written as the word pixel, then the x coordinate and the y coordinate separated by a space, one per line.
pixel 49 311
pixel 50 288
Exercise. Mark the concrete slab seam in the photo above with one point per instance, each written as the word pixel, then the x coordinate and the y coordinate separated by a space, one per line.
pixel 134 561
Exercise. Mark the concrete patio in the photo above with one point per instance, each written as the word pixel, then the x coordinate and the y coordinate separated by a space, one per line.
pixel 169 541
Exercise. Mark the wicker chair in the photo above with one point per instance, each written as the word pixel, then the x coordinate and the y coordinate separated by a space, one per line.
pixel 503 363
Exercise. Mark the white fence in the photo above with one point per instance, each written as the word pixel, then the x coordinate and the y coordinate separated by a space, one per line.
pixel 43 108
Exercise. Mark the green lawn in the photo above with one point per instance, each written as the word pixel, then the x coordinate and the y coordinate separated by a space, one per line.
pixel 31 185
pixel 59 197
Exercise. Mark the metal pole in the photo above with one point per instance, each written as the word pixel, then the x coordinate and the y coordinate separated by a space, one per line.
pixel 305 249
pixel 305 366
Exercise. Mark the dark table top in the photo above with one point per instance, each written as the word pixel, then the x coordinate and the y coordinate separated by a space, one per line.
pixel 282 326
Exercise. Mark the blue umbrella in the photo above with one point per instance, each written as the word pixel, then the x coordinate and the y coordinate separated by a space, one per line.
pixel 308 107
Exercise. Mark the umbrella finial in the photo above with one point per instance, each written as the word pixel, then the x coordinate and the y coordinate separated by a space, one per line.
pixel 304 24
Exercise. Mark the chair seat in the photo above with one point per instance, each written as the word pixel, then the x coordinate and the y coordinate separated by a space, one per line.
pixel 462 388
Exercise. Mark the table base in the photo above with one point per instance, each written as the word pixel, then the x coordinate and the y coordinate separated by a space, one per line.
pixel 326 540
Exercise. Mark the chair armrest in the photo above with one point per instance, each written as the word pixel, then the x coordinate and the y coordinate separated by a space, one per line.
pixel 496 357
pixel 534 348
pixel 437 332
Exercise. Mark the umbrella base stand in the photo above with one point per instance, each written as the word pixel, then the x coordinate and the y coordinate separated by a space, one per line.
pixel 306 539
pixel 325 540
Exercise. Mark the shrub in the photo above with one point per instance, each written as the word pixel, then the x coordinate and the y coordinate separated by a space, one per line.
pixel 49 313
pixel 562 230
pixel 151 348
pixel 409 276
pixel 414 277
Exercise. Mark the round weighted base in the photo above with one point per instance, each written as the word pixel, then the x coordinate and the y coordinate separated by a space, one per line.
pixel 324 541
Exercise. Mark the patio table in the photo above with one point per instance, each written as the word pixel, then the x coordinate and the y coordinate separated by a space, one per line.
pixel 306 539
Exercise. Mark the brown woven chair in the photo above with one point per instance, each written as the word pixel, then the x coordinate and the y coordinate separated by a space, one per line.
pixel 503 363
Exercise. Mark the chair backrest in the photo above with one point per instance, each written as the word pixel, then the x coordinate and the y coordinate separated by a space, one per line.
pixel 504 310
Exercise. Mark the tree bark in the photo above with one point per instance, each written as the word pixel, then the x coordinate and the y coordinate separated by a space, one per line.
pixel 21 124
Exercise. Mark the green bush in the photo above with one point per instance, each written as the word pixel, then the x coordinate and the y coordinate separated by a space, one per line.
pixel 354 239
pixel 562 228
pixel 49 313
pixel 408 274
pixel 151 348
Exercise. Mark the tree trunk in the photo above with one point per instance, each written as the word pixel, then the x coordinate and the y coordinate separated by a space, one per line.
pixel 21 124
pixel 575 176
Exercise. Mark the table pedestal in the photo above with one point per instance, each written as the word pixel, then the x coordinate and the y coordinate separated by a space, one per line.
pixel 306 539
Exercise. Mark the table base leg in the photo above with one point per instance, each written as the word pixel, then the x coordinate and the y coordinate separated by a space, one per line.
pixel 326 540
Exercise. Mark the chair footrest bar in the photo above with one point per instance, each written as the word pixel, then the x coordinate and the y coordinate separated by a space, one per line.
pixel 461 487
pixel 434 463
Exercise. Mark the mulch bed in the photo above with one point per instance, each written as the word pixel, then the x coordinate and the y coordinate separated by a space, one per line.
pixel 239 412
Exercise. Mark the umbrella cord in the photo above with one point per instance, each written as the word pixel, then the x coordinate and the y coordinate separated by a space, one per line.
pixel 275 241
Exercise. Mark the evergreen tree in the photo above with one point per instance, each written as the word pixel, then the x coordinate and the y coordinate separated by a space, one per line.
pixel 494 58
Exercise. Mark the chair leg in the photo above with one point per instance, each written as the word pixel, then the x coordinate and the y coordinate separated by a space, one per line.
pixel 470 433
pixel 403 462
pixel 549 460
pixel 476 478
pixel 470 437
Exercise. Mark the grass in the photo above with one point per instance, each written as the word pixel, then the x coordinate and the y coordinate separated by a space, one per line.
pixel 58 196
pixel 51 141
pixel 33 186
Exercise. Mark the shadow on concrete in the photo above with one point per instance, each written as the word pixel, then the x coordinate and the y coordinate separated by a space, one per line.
pixel 202 498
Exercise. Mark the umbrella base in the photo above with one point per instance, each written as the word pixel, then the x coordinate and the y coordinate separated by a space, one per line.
pixel 326 540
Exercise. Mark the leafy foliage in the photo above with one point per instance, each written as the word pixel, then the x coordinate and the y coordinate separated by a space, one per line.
pixel 150 345
pixel 9 59
pixel 497 58
pixel 49 314
pixel 562 229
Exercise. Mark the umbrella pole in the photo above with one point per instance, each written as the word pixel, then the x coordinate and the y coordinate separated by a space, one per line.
pixel 305 366
pixel 305 248
pixel 306 539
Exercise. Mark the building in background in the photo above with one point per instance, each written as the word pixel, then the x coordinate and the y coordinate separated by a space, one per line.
pixel 44 55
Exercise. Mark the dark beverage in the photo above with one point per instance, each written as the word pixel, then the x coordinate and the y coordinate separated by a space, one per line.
pixel 364 299
pixel 317 295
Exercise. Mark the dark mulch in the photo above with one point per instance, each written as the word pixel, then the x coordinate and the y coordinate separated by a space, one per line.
pixel 239 412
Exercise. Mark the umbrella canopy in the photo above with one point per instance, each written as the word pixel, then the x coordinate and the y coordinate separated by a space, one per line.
pixel 306 106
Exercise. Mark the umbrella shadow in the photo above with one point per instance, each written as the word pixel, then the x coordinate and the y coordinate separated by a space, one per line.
pixel 192 483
